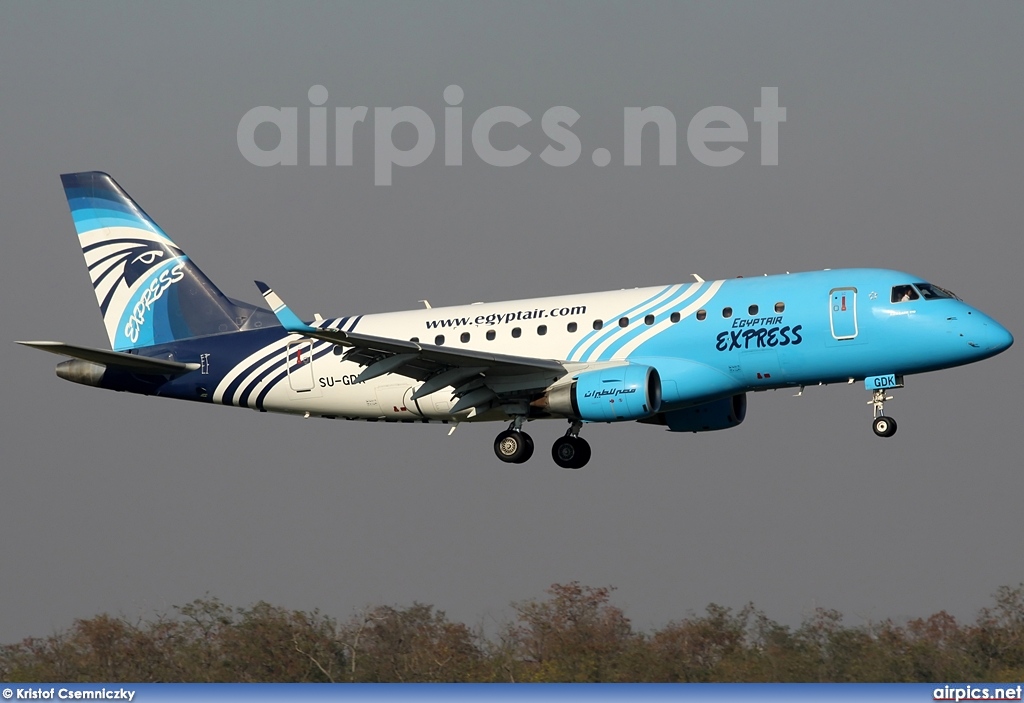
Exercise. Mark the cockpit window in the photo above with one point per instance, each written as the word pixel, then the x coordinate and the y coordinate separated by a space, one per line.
pixel 901 294
pixel 931 292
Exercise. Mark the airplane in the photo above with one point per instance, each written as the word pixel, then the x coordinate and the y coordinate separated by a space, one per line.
pixel 681 356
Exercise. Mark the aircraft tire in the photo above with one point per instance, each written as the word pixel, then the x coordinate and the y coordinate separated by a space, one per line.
pixel 513 447
pixel 884 426
pixel 528 449
pixel 571 452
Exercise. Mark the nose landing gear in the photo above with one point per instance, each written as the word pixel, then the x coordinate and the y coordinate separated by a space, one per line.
pixel 571 451
pixel 882 425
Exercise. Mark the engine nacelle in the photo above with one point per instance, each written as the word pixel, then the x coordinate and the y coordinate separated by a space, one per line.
pixel 627 392
pixel 716 415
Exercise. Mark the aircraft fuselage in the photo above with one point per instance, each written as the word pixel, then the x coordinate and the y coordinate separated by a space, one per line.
pixel 747 334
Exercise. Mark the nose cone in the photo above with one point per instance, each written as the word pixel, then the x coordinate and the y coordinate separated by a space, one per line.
pixel 999 338
pixel 988 336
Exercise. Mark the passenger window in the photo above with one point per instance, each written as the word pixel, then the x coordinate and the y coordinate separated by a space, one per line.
pixel 649 320
pixel 516 332
pixel 780 307
pixel 702 314
pixel 439 340
pixel 675 316
pixel 542 330
pixel 571 327
pixel 598 324
pixel 465 337
pixel 901 294
pixel 726 312
pixel 490 335
pixel 623 322
pixel 339 350
pixel 752 310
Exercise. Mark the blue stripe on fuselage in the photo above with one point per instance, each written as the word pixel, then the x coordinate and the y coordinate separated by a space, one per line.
pixel 594 337
pixel 692 290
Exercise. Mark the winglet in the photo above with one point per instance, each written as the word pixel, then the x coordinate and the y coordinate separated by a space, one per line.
pixel 289 320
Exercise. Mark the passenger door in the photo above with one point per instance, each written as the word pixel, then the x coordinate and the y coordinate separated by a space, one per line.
pixel 843 313
pixel 300 366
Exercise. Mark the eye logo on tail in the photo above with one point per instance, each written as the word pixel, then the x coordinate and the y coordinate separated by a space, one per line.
pixel 116 264
pixel 137 267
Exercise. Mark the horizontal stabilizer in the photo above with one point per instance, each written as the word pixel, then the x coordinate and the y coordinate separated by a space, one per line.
pixel 130 362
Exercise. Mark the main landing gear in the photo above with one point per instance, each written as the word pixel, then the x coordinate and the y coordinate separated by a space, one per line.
pixel 882 425
pixel 570 451
pixel 514 446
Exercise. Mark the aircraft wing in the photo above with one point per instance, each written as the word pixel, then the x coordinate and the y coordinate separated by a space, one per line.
pixel 130 362
pixel 478 377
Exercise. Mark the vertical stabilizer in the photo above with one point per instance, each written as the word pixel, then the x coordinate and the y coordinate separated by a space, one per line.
pixel 148 290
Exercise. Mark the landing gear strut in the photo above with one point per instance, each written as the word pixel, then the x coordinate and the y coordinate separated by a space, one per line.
pixel 882 425
pixel 514 446
pixel 571 451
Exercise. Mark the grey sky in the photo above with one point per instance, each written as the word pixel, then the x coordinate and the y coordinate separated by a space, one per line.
pixel 901 148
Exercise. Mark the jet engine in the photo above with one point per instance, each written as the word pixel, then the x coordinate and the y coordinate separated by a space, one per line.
pixel 627 392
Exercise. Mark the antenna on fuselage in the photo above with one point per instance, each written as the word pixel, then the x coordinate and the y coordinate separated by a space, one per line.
pixel 699 279
pixel 426 303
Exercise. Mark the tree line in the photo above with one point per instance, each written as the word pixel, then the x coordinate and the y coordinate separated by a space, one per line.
pixel 574 634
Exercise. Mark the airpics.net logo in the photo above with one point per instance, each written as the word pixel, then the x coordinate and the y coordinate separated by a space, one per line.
pixel 711 135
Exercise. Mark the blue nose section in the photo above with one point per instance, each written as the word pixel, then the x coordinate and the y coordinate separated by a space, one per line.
pixel 999 338
pixel 987 336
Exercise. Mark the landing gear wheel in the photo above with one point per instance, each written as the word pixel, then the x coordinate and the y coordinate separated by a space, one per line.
pixel 528 450
pixel 884 426
pixel 571 452
pixel 513 447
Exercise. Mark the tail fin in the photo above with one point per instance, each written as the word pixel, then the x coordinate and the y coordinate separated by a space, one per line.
pixel 148 290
